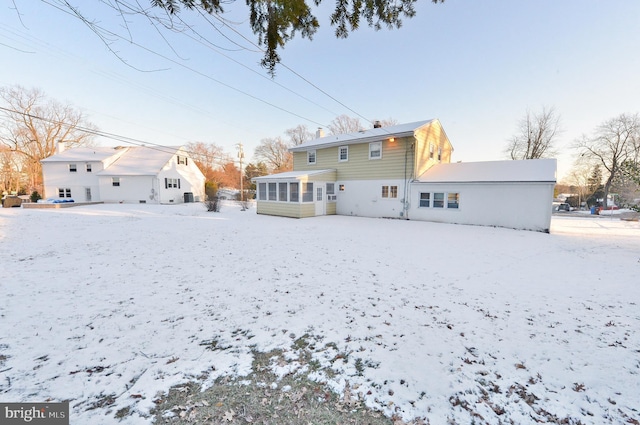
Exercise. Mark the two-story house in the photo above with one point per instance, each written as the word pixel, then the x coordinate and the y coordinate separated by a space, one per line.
pixel 404 171
pixel 142 174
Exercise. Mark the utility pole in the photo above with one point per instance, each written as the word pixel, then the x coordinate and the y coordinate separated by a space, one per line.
pixel 241 157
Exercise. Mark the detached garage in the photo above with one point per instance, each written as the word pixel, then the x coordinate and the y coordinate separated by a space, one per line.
pixel 513 194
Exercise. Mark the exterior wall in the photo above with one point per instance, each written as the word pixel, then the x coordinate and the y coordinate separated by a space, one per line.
pixel 432 134
pixel 57 175
pixel 132 189
pixel 512 205
pixel 191 180
pixel 359 166
pixel 364 198
pixel 286 209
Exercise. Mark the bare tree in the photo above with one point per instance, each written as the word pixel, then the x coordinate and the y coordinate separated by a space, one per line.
pixel 208 157
pixel 274 152
pixel 35 124
pixel 344 124
pixel 536 135
pixel 298 135
pixel 612 143
pixel 386 123
pixel 580 178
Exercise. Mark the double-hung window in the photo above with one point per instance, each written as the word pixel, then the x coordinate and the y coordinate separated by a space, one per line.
pixel 64 192
pixel 88 168
pixel 453 200
pixel 311 157
pixel 115 181
pixel 425 199
pixel 375 150
pixel 343 153
pixel 438 200
pixel 73 168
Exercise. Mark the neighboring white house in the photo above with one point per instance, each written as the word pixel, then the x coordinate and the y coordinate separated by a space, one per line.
pixel 404 171
pixel 160 175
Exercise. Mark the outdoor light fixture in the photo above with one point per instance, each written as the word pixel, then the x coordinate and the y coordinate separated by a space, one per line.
pixel 392 140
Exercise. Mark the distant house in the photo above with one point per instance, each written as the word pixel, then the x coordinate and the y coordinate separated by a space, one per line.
pixel 160 175
pixel 404 171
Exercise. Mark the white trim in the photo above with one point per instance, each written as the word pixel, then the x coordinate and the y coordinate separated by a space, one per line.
pixel 375 150
pixel 340 154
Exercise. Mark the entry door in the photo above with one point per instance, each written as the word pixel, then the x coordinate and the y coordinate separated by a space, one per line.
pixel 87 194
pixel 320 204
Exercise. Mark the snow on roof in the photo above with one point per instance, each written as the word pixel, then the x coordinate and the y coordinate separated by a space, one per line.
pixel 82 154
pixel 401 130
pixel 538 170
pixel 141 161
pixel 293 174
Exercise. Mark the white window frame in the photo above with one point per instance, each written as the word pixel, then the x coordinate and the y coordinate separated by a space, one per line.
pixel 389 192
pixel 262 191
pixel 294 194
pixel 73 168
pixel 88 167
pixel 311 157
pixel 346 152
pixel 64 192
pixel 439 203
pixel 427 201
pixel 373 148
pixel 272 195
pixel 307 192
pixel 115 181
pixel 455 201
pixel 281 192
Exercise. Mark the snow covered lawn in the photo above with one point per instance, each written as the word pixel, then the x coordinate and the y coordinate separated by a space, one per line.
pixel 108 305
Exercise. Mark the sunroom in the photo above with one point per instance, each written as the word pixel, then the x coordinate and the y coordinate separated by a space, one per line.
pixel 297 194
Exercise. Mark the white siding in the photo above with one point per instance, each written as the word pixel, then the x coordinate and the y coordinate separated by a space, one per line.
pixel 512 205
pixel 364 198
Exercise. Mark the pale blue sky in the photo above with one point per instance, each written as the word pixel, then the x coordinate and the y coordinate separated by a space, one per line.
pixel 475 65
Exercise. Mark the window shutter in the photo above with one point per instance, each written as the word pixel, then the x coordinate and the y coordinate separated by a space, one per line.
pixel 166 184
pixel 178 183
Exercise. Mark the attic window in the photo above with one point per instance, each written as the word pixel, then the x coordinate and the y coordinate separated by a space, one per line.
pixel 430 150
pixel 182 160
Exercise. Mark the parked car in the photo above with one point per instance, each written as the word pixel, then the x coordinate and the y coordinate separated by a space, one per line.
pixel 564 207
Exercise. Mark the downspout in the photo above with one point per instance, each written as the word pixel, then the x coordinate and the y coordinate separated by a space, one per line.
pixel 405 201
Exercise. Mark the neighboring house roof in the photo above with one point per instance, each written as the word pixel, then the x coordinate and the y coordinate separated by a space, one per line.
pixel 531 170
pixel 141 161
pixel 364 136
pixel 82 154
pixel 290 175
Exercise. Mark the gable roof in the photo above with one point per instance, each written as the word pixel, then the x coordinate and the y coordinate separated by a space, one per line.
pixel 82 154
pixel 141 161
pixel 364 136
pixel 530 170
